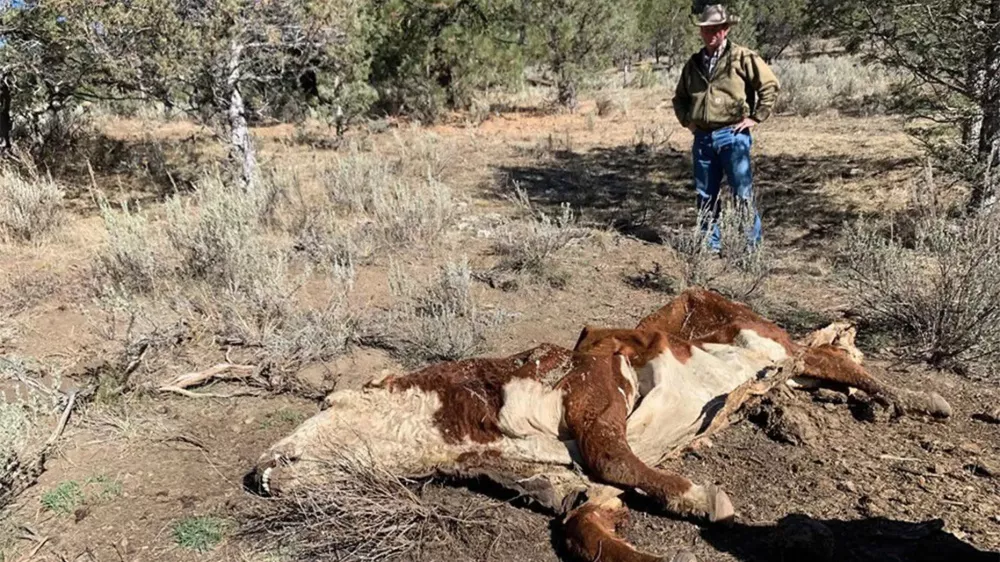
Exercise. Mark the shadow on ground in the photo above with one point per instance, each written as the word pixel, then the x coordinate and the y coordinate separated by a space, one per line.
pixel 800 537
pixel 645 193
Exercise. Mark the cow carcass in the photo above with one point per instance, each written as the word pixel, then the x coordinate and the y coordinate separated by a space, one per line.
pixel 574 428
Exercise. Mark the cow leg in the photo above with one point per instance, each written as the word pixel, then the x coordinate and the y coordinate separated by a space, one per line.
pixel 590 535
pixel 832 364
pixel 604 447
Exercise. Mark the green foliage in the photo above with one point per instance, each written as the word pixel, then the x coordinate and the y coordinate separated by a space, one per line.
pixel 64 498
pixel 431 56
pixel 950 50
pixel 665 26
pixel 200 534
pixel 67 496
pixel 575 37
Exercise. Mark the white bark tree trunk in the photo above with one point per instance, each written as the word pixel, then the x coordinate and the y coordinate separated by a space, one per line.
pixel 985 193
pixel 241 147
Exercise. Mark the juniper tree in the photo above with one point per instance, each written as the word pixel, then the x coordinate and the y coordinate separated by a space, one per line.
pixel 951 51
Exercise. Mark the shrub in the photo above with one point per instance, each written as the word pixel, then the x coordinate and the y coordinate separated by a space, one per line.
pixel 841 83
pixel 220 242
pixel 438 320
pixel 734 271
pixel 405 209
pixel 129 260
pixel 299 337
pixel 30 205
pixel 531 246
pixel 935 286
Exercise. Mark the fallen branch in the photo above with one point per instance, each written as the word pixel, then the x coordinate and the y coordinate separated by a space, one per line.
pixel 220 371
pixel 62 419
pixel 34 551
pixel 190 394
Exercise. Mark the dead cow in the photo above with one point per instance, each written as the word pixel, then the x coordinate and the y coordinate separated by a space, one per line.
pixel 618 405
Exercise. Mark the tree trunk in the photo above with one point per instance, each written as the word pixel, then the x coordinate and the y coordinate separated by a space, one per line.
pixel 6 124
pixel 975 77
pixel 241 148
pixel 985 192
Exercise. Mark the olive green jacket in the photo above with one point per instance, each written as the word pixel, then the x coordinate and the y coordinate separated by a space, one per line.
pixel 741 86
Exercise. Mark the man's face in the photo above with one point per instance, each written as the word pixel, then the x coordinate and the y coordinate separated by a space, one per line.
pixel 714 35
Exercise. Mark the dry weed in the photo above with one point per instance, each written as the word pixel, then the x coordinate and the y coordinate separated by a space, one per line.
pixel 30 204
pixel 365 514
pixel 841 83
pixel 532 246
pixel 23 418
pixel 220 241
pixel 406 210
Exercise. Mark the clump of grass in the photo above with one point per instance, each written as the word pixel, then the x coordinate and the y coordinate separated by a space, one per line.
pixel 933 288
pixel 129 260
pixel 438 320
pixel 30 205
pixel 64 498
pixel 734 271
pixel 69 495
pixel 200 534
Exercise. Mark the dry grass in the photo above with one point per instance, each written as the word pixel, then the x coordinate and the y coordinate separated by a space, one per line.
pixel 532 247
pixel 365 513
pixel 22 422
pixel 30 205
pixel 404 199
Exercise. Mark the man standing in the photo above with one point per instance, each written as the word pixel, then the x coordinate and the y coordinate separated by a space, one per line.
pixel 724 91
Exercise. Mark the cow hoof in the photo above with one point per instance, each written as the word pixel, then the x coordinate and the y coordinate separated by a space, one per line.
pixel 684 556
pixel 721 508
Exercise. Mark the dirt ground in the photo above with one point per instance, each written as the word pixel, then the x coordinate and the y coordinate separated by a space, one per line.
pixel 857 489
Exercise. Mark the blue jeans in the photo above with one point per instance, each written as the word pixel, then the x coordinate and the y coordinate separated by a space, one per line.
pixel 715 153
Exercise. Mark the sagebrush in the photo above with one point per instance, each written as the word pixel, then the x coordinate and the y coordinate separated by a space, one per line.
pixel 439 319
pixel 737 270
pixel 30 205
pixel 934 285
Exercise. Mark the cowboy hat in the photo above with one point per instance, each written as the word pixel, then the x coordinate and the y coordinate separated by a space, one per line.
pixel 715 14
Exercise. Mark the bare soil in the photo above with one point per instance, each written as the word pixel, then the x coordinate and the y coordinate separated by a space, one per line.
pixel 860 486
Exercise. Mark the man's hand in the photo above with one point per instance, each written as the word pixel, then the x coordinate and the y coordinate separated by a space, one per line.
pixel 745 125
pixel 692 128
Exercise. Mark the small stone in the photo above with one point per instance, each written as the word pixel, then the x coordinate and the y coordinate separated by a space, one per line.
pixel 847 486
pixel 970 448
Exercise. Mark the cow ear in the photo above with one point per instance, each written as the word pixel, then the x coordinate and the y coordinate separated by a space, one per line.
pixel 584 335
